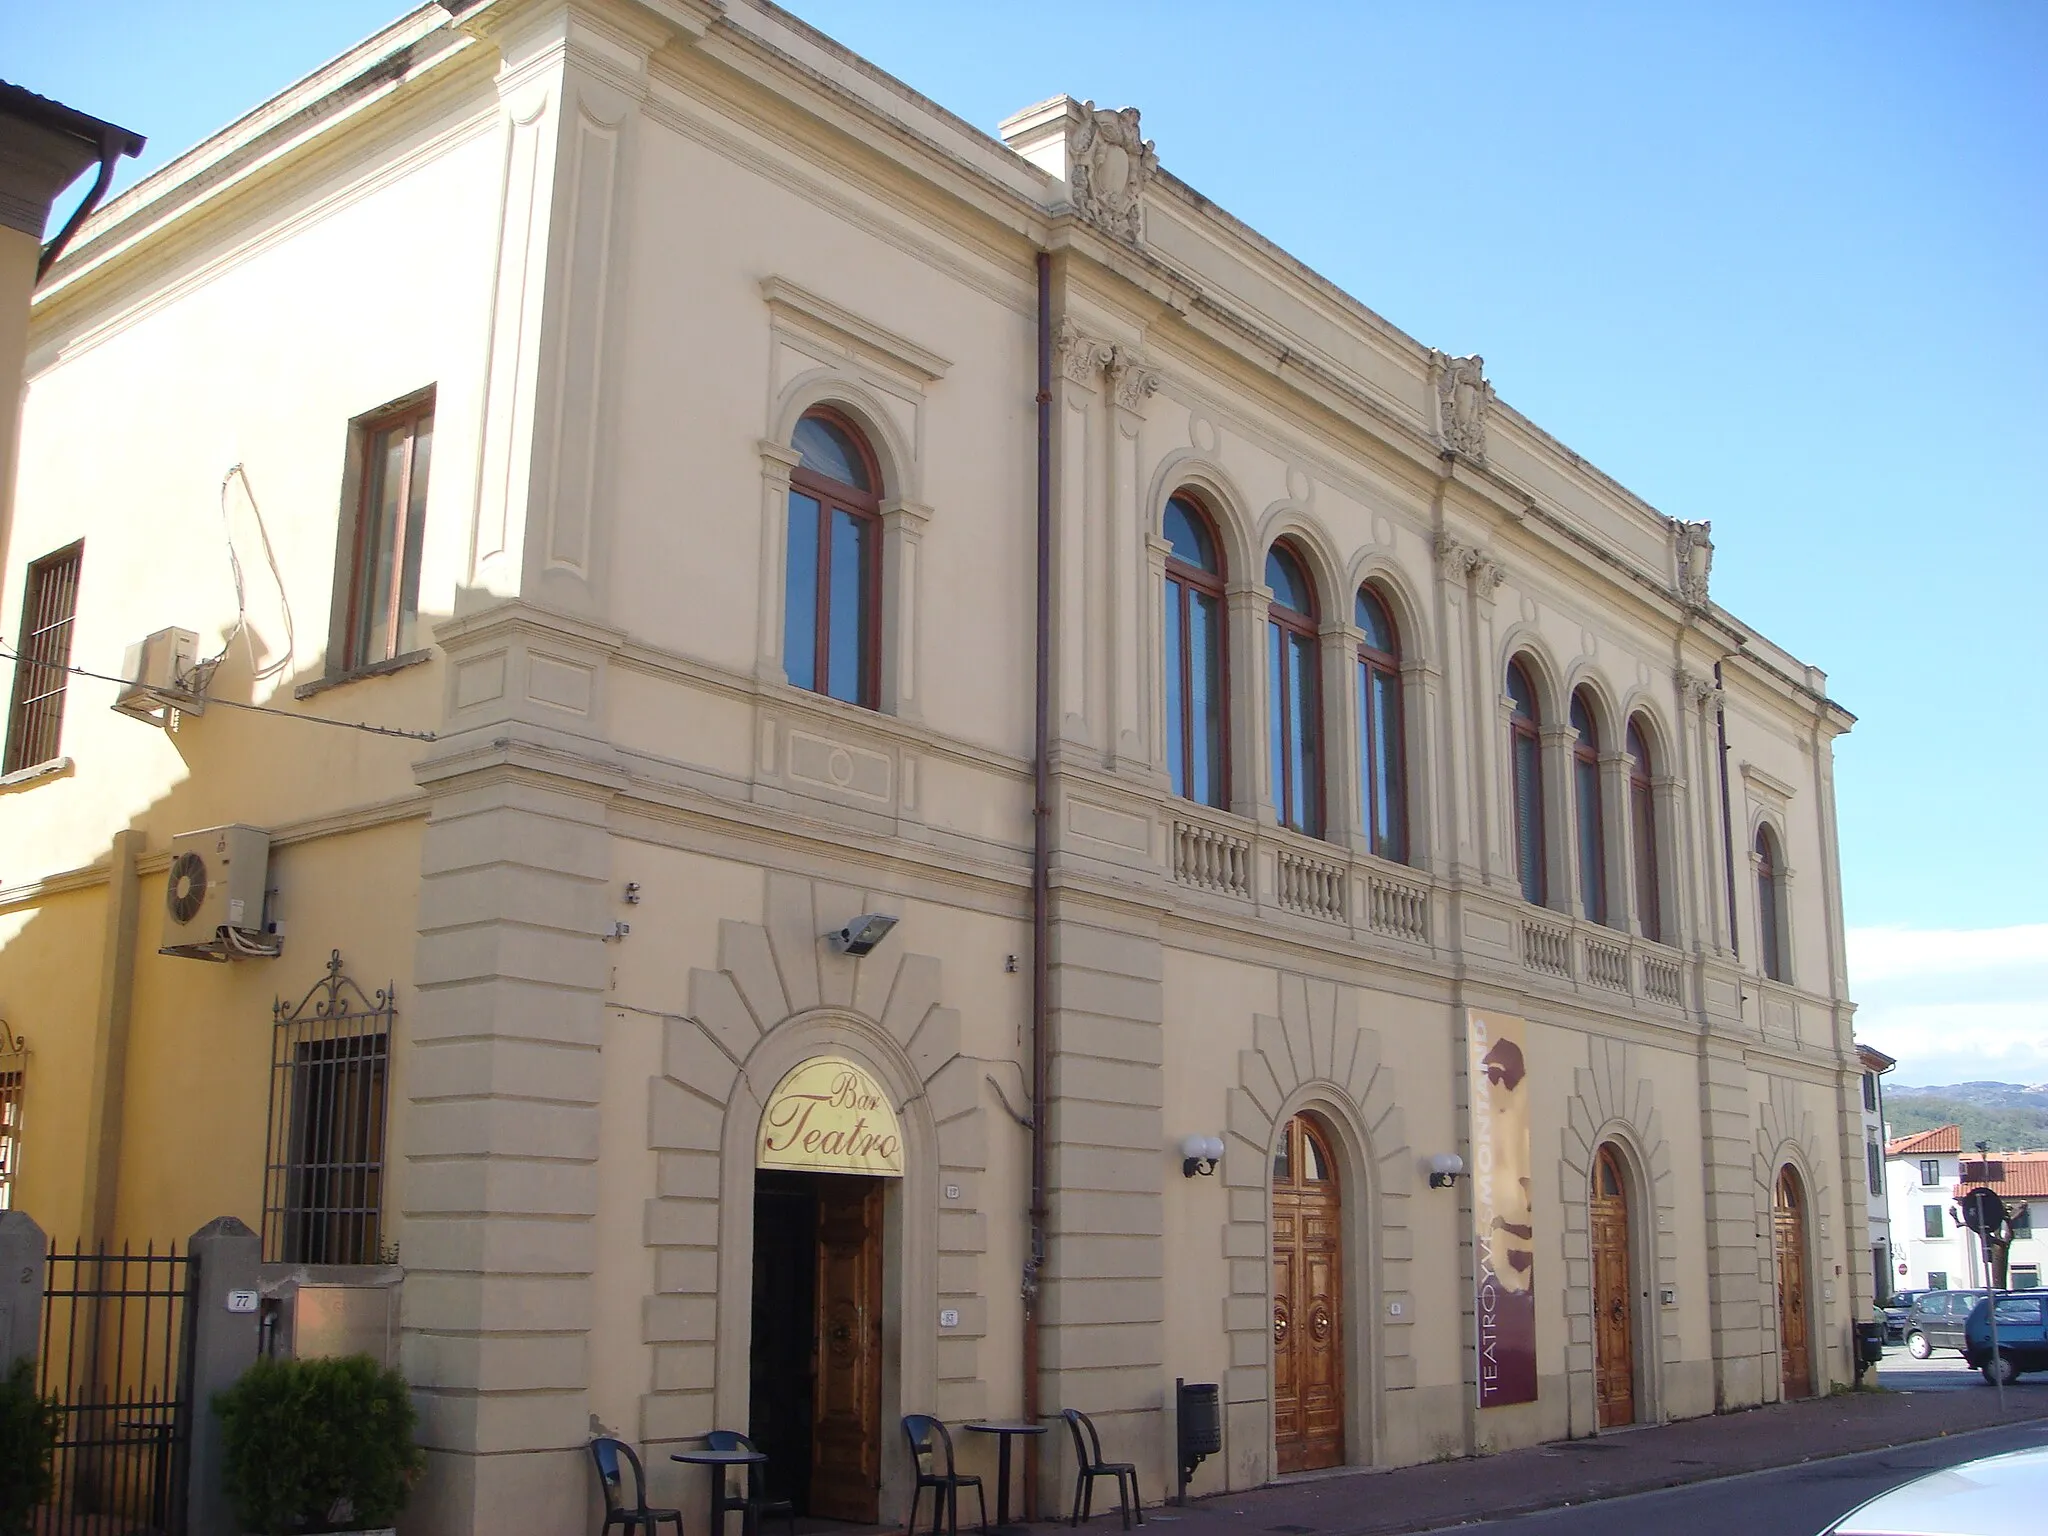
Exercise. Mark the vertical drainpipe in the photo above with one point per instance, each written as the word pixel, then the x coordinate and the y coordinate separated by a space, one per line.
pixel 1041 880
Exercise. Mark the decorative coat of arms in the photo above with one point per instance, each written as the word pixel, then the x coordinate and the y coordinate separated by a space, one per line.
pixel 1462 395
pixel 1107 168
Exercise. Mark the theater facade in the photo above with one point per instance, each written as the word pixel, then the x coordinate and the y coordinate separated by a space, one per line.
pixel 1024 798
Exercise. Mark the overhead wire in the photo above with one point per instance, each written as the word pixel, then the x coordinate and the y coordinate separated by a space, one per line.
pixel 259 709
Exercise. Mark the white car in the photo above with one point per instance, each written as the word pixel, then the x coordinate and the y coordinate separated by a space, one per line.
pixel 1992 1496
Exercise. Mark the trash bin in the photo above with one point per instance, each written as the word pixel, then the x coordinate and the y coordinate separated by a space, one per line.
pixel 1869 1346
pixel 1198 1426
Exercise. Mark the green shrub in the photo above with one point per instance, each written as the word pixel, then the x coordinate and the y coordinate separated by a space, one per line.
pixel 28 1437
pixel 318 1445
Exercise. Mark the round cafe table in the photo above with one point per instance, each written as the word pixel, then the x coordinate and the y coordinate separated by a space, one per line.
pixel 718 1462
pixel 1006 1430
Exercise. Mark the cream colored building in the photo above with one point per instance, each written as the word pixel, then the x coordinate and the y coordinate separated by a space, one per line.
pixel 529 326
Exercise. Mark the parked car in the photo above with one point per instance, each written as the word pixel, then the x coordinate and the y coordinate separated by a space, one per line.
pixel 1936 1321
pixel 2022 1337
pixel 1893 1314
pixel 1991 1496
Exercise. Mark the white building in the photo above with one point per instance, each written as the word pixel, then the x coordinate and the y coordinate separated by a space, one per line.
pixel 1932 1249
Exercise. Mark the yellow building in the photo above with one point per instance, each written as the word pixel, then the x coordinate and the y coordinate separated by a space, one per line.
pixel 643 412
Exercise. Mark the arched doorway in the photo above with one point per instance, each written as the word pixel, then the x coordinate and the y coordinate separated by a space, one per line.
pixel 1614 1326
pixel 1308 1300
pixel 1788 1229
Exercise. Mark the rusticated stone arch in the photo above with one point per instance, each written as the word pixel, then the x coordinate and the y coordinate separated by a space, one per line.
pixel 778 996
pixel 1789 1133
pixel 1316 1056
pixel 1612 1100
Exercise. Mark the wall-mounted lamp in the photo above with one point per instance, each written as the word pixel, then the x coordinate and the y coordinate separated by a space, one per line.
pixel 1444 1169
pixel 861 935
pixel 1199 1154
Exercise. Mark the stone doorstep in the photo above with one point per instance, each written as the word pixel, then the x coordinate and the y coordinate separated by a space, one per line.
pixel 1641 1459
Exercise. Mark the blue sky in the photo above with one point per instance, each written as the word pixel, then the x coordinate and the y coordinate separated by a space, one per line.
pixel 1781 266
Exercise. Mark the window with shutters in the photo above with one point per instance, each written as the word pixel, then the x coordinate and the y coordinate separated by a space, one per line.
pixel 1930 1220
pixel 1294 698
pixel 1197 703
pixel 1770 917
pixel 380 618
pixel 1642 816
pixel 1383 784
pixel 1873 1158
pixel 832 600
pixel 42 657
pixel 1588 811
pixel 1525 747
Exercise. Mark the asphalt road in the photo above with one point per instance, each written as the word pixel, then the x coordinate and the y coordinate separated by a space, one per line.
pixel 1791 1501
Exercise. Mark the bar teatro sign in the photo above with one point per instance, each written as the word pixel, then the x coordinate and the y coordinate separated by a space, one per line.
pixel 828 1115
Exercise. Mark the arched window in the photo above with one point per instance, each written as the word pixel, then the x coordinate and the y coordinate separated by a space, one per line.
pixel 1587 809
pixel 1642 822
pixel 1525 744
pixel 1769 917
pixel 1291 681
pixel 1196 701
pixel 831 623
pixel 1384 788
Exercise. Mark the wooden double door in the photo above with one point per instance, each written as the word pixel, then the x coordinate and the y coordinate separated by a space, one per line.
pixel 816 1367
pixel 1788 1240
pixel 1614 1321
pixel 1308 1300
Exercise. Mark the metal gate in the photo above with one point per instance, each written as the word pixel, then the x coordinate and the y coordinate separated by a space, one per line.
pixel 116 1354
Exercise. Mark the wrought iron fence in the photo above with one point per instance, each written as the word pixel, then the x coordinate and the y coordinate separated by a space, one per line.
pixel 116 1354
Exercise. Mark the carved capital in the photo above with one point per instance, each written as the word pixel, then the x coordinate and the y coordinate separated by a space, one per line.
pixel 1082 357
pixel 1487 575
pixel 1695 689
pixel 1131 382
pixel 1457 559
pixel 1108 164
pixel 1462 397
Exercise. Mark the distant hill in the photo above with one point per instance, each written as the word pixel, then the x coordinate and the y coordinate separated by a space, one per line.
pixel 2011 1117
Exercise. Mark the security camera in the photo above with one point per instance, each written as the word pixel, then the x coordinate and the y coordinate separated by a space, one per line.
pixel 862 934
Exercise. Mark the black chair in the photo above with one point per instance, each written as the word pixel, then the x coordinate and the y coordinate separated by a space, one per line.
pixel 605 1452
pixel 753 1502
pixel 1088 1457
pixel 928 1437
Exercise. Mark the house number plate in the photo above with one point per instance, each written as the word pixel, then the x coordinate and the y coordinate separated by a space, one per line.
pixel 241 1301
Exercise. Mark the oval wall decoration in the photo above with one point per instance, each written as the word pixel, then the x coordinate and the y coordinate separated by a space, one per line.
pixel 829 1115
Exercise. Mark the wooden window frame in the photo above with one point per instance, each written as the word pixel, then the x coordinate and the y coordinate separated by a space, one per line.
pixel 35 712
pixel 866 507
pixel 1535 884
pixel 1586 766
pixel 1925 1164
pixel 13 1089
pixel 1212 584
pixel 366 430
pixel 1373 662
pixel 1305 626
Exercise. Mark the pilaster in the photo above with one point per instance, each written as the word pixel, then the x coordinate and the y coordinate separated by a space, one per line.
pixel 1728 1155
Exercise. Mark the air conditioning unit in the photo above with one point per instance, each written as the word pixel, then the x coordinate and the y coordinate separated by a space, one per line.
pixel 161 676
pixel 213 895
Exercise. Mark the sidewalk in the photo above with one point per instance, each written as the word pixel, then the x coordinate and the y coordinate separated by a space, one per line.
pixel 1369 1503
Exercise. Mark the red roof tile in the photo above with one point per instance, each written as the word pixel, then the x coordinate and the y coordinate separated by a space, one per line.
pixel 1943 1138
pixel 2026 1176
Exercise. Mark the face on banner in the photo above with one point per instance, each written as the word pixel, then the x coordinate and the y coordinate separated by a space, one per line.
pixel 1503 1214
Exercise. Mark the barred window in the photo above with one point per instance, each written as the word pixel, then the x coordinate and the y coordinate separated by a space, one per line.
pixel 49 605
pixel 330 1081
pixel 11 1083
